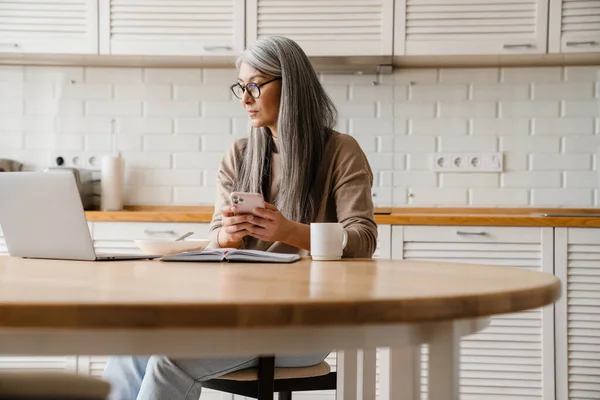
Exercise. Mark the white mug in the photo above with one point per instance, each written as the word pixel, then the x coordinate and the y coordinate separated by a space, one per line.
pixel 327 241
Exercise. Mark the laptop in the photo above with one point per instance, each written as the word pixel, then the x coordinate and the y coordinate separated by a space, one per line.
pixel 42 216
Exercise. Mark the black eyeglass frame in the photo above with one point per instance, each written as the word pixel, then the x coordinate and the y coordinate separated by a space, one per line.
pixel 247 87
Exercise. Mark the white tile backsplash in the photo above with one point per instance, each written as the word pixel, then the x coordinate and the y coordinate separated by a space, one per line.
pixel 531 75
pixel 174 125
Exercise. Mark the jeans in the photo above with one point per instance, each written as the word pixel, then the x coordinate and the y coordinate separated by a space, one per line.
pixel 160 378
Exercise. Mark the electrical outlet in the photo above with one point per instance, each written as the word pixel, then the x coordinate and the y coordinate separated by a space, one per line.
pixel 467 162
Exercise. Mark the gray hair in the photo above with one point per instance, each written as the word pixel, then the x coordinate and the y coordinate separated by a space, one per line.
pixel 305 123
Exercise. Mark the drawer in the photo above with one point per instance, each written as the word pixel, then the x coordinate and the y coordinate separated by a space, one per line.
pixel 583 236
pixel 478 234
pixel 147 230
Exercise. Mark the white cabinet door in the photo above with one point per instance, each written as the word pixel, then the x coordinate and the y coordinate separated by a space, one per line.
pixel 574 26
pixel 454 27
pixel 118 237
pixel 384 242
pixel 514 357
pixel 33 26
pixel 577 254
pixel 325 27
pixel 3 249
pixel 172 27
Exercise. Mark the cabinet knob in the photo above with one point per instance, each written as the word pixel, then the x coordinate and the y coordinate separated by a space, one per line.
pixel 217 48
pixel 519 46
pixel 584 43
pixel 153 232
pixel 13 45
pixel 471 233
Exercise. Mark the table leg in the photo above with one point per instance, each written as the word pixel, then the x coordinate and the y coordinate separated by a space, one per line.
pixel 347 374
pixel 367 368
pixel 400 373
pixel 444 353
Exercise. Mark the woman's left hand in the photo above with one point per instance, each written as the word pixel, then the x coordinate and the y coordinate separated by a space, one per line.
pixel 269 225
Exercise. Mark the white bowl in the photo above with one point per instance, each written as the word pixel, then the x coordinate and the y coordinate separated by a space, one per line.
pixel 169 246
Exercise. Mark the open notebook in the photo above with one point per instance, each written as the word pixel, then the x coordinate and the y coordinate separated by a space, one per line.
pixel 234 255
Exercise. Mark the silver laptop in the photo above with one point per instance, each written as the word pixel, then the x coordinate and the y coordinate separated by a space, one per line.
pixel 42 216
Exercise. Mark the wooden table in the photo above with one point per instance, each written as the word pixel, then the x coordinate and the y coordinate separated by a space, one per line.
pixel 211 309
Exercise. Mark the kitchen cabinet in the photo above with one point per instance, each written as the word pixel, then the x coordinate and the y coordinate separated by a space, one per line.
pixel 171 27
pixel 514 356
pixel 574 26
pixel 577 255
pixel 475 27
pixel 325 27
pixel 60 27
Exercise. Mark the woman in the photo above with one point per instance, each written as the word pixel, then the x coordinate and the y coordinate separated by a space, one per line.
pixel 305 171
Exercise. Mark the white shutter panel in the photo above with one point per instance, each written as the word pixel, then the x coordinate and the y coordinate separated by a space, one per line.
pixel 21 363
pixel 384 236
pixel 97 365
pixel 583 313
pixel 575 25
pixel 436 27
pixel 326 27
pixel 49 26
pixel 172 27
pixel 506 359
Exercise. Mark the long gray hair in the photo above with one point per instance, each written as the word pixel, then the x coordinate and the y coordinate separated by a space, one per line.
pixel 305 123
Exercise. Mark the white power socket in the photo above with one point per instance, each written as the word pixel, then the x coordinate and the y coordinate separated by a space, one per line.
pixel 467 162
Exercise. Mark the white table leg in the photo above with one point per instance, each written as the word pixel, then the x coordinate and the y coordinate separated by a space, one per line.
pixel 400 373
pixel 367 367
pixel 444 353
pixel 347 374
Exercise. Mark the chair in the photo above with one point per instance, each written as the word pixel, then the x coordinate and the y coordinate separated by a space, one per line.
pixel 51 386
pixel 261 383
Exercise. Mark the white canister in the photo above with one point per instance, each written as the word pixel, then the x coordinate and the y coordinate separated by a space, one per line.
pixel 111 183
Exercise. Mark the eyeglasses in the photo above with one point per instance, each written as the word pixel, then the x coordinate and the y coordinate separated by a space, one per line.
pixel 252 88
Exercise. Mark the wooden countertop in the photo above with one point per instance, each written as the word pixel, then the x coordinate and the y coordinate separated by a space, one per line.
pixel 393 216
pixel 154 294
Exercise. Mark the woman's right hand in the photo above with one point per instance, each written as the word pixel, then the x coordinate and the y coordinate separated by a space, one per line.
pixel 235 227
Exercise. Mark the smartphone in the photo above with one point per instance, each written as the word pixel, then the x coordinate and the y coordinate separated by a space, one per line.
pixel 246 202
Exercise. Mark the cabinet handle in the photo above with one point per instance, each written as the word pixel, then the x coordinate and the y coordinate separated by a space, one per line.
pixel 152 232
pixel 215 48
pixel 471 233
pixel 586 43
pixel 518 46
pixel 15 45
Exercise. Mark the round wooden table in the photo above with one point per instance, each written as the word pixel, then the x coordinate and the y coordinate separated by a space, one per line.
pixel 221 309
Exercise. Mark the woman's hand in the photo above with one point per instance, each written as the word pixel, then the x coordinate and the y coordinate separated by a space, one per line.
pixel 268 224
pixel 235 227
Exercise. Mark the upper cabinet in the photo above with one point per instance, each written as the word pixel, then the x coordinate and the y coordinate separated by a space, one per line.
pixel 455 27
pixel 325 27
pixel 574 26
pixel 171 27
pixel 59 27
pixel 345 28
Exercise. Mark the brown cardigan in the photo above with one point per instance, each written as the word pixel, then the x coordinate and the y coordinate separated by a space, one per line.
pixel 346 180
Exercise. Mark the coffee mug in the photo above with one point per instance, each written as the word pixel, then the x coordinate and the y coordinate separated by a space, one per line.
pixel 327 241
